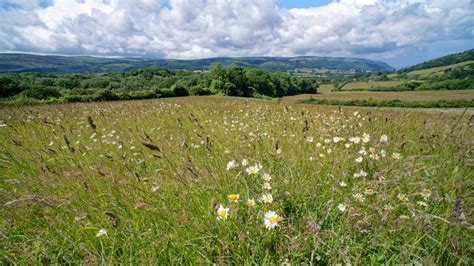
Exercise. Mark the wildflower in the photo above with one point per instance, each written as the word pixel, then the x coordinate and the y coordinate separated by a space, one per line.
pixel 252 170
pixel 342 207
pixel 362 173
pixel 347 145
pixel 355 140
pixel 232 164
pixel 359 159
pixel 266 177
pixel 425 194
pixel 267 186
pixel 222 213
pixel 365 137
pixel 329 151
pixel 362 152
pixel 336 139
pixel 271 219
pixel 102 232
pixel 267 198
pixel 309 140
pixel 343 184
pixel 382 153
pixel 250 203
pixel 318 145
pixel 244 162
pixel 233 197
pixel 278 151
pixel 402 197
pixel 384 138
pixel 155 188
pixel 396 156
pixel 359 197
pixel 404 217
pixel 422 203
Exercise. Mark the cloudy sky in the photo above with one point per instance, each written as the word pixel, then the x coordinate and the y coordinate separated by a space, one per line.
pixel 399 32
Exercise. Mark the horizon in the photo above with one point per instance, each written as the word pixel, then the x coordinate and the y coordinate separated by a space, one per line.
pixel 187 30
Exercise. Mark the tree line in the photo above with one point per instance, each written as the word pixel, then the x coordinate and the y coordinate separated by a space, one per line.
pixel 146 83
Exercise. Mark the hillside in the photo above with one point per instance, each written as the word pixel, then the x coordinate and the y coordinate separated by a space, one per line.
pixel 86 64
pixel 443 61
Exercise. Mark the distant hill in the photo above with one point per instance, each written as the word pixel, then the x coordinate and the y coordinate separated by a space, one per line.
pixel 443 61
pixel 49 64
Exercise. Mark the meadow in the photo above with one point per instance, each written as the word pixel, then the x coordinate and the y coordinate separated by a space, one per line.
pixel 224 180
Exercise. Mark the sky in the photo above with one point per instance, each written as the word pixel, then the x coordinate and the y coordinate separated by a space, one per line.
pixel 398 32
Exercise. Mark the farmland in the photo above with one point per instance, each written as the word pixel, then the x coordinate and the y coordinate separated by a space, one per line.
pixel 187 181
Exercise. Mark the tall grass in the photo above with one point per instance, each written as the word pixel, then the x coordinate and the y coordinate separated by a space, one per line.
pixel 140 182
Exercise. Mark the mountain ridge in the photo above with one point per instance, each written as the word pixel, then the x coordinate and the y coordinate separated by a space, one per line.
pixel 56 64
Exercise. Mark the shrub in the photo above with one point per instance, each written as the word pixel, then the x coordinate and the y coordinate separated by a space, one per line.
pixel 40 93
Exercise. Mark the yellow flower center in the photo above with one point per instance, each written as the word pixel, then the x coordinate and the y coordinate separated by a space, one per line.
pixel 223 213
pixel 272 219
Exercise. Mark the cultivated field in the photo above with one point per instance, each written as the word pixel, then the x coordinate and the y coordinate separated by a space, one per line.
pixel 202 180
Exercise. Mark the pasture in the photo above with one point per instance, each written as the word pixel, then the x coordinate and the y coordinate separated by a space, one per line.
pixel 203 180
pixel 367 85
pixel 388 95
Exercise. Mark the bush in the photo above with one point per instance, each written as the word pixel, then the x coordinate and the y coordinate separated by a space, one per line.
pixel 180 90
pixel 40 93
pixel 198 90
pixel 142 94
pixel 165 93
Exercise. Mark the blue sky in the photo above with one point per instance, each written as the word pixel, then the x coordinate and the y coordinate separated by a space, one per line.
pixel 399 32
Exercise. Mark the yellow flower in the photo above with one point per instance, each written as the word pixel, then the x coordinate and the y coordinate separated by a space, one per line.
pixel 233 197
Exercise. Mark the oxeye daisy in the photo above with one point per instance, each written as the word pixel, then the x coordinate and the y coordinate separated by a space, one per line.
pixel 402 197
pixel 267 198
pixel 342 207
pixel 222 213
pixel 231 165
pixel 266 177
pixel 252 170
pixel 359 159
pixel 384 138
pixel 250 203
pixel 396 156
pixel 244 162
pixel 102 232
pixel 267 186
pixel 365 137
pixel 233 197
pixel 271 220
pixel 309 140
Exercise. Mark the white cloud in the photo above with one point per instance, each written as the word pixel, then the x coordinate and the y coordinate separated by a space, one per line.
pixel 206 28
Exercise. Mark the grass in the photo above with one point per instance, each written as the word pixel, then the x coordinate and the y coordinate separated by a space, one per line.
pixel 394 103
pixel 389 95
pixel 438 70
pixel 367 85
pixel 152 174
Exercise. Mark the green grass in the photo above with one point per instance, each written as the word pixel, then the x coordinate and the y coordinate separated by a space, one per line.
pixel 153 172
pixel 438 70
pixel 394 103
pixel 362 85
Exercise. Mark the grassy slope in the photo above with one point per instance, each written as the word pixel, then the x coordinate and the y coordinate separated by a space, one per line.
pixel 60 179
pixel 366 85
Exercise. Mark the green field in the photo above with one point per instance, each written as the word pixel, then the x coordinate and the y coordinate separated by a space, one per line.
pixel 367 85
pixel 149 182
pixel 389 95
